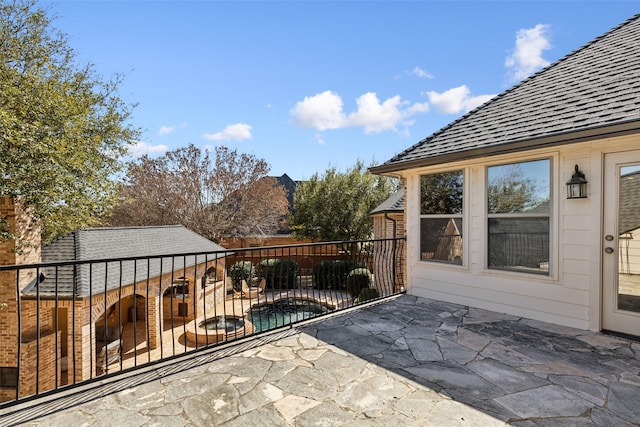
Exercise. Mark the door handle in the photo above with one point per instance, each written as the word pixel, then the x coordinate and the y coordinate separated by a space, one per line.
pixel 608 250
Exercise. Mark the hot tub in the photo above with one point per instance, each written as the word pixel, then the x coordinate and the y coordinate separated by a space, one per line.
pixel 217 329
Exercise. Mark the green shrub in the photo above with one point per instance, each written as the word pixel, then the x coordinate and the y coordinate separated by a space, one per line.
pixel 357 280
pixel 324 276
pixel 278 273
pixel 241 270
pixel 333 274
pixel 366 294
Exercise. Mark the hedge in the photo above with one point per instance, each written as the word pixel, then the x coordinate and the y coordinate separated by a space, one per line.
pixel 278 273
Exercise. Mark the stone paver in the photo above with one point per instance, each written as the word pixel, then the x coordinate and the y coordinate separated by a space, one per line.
pixel 404 361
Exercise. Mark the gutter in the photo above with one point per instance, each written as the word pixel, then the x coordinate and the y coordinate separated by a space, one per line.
pixel 394 266
pixel 395 223
pixel 565 138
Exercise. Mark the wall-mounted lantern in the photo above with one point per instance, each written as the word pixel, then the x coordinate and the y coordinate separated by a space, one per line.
pixel 577 186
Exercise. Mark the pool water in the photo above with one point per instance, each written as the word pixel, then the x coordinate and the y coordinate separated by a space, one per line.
pixel 283 312
pixel 228 324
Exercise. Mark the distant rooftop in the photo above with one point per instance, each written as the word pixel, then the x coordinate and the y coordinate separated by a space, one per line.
pixel 394 204
pixel 113 243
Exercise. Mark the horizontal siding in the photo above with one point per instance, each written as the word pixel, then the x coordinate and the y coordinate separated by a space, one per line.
pixel 575 252
pixel 511 285
pixel 567 313
pixel 571 294
pixel 576 281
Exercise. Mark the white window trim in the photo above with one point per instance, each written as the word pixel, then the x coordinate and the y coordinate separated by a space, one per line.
pixel 554 235
pixel 466 200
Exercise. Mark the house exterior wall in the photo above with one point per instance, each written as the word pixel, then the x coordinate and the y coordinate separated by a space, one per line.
pixel 571 294
pixel 11 253
pixel 52 342
pixel 389 226
pixel 26 250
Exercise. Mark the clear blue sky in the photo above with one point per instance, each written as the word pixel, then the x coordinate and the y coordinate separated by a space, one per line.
pixel 306 85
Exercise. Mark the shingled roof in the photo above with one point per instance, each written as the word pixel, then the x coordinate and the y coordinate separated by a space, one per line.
pixel 108 243
pixel 394 204
pixel 629 203
pixel 592 92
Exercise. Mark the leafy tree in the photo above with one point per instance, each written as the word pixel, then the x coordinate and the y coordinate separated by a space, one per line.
pixel 441 193
pixel 336 206
pixel 509 191
pixel 215 194
pixel 63 129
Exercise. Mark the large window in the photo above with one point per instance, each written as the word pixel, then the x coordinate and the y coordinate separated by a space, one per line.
pixel 441 217
pixel 518 201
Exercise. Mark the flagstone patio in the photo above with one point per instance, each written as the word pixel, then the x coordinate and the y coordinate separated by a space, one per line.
pixel 403 361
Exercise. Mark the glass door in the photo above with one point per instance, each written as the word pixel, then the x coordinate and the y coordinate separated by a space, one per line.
pixel 621 243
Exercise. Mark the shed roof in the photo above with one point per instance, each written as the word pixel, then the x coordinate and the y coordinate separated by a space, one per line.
pixel 592 92
pixel 154 246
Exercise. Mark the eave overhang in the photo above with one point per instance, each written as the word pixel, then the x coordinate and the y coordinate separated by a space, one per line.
pixel 518 146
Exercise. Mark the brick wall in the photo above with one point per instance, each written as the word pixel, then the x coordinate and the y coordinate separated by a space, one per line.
pixel 12 253
pixel 392 226
pixel 74 320
pixel 38 364
pixel 25 249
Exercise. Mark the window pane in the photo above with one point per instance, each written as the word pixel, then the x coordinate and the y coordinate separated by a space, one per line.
pixel 8 377
pixel 441 193
pixel 519 187
pixel 441 240
pixel 519 244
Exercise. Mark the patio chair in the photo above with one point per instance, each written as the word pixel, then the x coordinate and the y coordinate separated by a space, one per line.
pixel 108 354
pixel 109 351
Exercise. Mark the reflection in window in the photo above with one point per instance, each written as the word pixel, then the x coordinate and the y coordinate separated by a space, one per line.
pixel 518 204
pixel 441 217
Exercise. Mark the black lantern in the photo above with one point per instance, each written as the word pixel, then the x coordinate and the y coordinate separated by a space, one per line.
pixel 577 186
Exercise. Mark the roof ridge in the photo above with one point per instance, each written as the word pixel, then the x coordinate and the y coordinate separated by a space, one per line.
pixel 130 227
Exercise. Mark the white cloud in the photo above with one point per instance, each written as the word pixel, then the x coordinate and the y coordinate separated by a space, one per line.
pixel 526 57
pixel 419 72
pixel 235 132
pixel 476 101
pixel 417 108
pixel 324 111
pixel 456 100
pixel 450 101
pixel 166 130
pixel 374 116
pixel 141 148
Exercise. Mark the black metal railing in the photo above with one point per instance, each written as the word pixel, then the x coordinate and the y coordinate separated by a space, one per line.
pixel 70 322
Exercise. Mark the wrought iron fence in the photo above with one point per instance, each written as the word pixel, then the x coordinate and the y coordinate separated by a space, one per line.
pixel 69 322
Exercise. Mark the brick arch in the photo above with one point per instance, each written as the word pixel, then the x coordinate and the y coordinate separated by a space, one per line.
pixel 217 271
pixel 98 306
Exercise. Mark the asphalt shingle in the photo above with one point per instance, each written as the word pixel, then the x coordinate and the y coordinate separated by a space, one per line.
pixel 592 88
pixel 155 245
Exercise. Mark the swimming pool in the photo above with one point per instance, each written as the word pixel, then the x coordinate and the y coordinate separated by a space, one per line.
pixel 284 311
